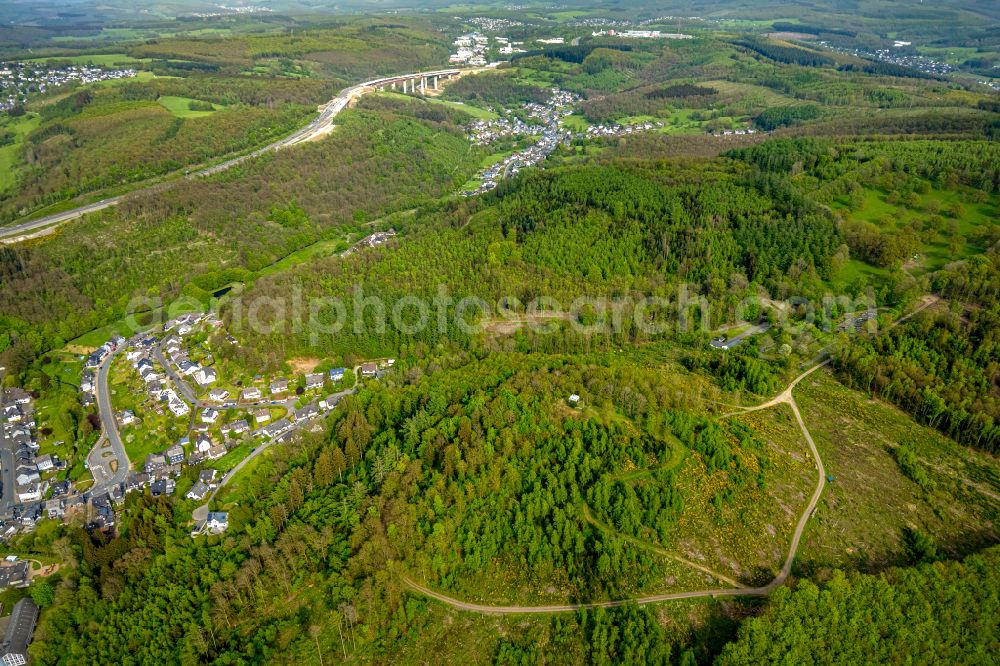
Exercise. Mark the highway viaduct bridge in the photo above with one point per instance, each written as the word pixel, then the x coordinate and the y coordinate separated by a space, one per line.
pixel 317 128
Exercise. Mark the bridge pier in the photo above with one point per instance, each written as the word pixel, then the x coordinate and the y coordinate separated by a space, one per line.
pixel 423 84
pixel 435 83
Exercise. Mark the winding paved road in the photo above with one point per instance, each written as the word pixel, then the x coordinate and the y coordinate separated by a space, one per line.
pixel 99 463
pixel 7 498
pixel 318 127
pixel 785 397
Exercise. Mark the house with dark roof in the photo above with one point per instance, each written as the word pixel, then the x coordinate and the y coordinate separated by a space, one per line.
pixel 198 491
pixel 14 575
pixel 19 632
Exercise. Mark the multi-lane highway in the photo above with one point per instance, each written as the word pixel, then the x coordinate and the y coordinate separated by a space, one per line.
pixel 318 127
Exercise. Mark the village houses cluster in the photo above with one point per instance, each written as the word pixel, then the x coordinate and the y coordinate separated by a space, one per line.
pixel 492 24
pixel 470 49
pixel 641 34
pixel 18 79
pixel 550 129
pixel 33 475
pixel 484 132
pixel 167 370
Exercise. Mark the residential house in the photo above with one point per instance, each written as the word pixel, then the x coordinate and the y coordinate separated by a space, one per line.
pixel 18 396
pixel 236 427
pixel 26 473
pixel 188 368
pixel 176 405
pixel 217 522
pixel 175 454
pixel 162 487
pixel 251 393
pixel 329 402
pixel 172 346
pixel 155 462
pixel 279 386
pixel 127 417
pixel 218 395
pixel 307 412
pixel 261 416
pixel 216 452
pixel 44 463
pixel 12 413
pixel 314 381
pixel 202 443
pixel 369 370
pixel 276 429
pixel 337 374
pixel 209 415
pixel 207 476
pixel 54 508
pixel 198 491
pixel 205 376
pixel 14 575
pixel 87 381
pixel 136 481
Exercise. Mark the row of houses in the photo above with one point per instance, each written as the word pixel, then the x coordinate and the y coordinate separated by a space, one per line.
pixel 31 471
pixel 279 388
pixel 97 357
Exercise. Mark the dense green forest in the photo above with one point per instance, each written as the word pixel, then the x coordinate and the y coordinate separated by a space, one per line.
pixel 942 366
pixel 474 475
pixel 945 612
pixel 500 90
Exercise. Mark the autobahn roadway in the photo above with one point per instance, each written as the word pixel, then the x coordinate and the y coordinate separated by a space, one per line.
pixel 317 127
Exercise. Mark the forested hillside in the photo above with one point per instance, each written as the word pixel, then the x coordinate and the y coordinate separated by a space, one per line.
pixel 84 278
pixel 476 476
pixel 698 365
pixel 946 612
pixel 193 99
